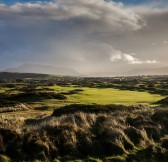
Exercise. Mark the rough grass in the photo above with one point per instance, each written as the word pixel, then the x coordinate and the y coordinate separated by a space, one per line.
pixel 89 133
pixel 14 108
pixel 163 101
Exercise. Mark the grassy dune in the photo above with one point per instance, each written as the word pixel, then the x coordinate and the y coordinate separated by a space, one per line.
pixel 87 133
pixel 80 124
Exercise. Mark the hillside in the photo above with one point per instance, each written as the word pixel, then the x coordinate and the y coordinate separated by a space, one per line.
pixel 43 69
pixel 13 76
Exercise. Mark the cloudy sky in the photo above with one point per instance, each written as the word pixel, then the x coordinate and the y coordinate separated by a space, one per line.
pixel 93 37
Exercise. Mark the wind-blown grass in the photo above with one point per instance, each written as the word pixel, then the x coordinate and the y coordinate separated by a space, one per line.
pixel 103 133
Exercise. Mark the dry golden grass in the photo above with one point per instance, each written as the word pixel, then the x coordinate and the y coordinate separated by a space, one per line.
pixel 130 133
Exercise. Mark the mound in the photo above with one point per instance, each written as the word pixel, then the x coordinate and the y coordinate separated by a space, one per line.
pixel 5 103
pixel 31 96
pixel 14 108
pixel 133 133
pixel 70 109
pixel 163 101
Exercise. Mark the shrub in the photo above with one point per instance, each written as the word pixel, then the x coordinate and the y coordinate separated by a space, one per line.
pixel 153 132
pixel 38 146
pixel 134 135
pixel 163 101
pixel 11 142
pixel 164 142
pixel 159 115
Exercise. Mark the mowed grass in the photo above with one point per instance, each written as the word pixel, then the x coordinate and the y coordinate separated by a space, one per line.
pixel 108 96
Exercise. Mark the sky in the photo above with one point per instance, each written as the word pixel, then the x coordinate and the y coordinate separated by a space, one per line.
pixel 93 37
pixel 123 1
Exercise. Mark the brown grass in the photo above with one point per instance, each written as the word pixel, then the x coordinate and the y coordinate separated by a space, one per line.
pixel 129 132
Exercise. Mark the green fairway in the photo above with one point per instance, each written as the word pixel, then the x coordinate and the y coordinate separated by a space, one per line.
pixel 108 96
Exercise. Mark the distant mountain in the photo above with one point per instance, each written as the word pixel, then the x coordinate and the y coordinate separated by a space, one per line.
pixel 148 71
pixel 43 69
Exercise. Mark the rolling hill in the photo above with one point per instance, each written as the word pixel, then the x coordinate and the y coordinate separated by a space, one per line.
pixel 43 69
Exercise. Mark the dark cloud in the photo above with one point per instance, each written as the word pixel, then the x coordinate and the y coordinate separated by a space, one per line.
pixel 84 35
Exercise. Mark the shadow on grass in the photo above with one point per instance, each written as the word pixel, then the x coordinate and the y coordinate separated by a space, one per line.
pixel 70 109
pixel 29 97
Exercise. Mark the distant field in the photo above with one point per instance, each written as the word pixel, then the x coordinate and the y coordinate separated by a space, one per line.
pixel 108 96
